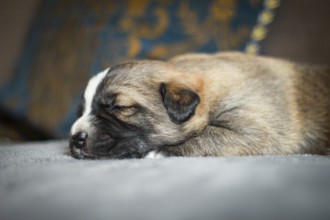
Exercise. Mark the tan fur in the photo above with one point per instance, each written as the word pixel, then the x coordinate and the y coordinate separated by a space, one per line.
pixel 249 105
pixel 257 85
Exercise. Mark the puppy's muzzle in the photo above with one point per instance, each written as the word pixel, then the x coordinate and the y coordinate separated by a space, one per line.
pixel 78 140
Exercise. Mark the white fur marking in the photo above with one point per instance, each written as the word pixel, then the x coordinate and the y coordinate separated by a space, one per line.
pixel 83 123
pixel 154 155
pixel 91 89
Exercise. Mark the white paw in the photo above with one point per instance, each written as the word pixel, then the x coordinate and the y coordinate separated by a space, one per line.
pixel 154 155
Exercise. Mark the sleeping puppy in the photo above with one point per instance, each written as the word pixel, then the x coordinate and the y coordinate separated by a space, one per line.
pixel 225 104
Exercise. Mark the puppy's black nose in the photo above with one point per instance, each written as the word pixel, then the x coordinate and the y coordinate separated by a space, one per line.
pixel 79 140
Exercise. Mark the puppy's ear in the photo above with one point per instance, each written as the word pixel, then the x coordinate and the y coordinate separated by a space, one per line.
pixel 180 102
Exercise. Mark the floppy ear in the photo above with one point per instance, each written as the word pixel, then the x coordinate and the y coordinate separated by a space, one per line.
pixel 180 102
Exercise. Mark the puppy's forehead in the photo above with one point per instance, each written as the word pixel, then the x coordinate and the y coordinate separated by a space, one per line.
pixel 138 71
pixel 128 76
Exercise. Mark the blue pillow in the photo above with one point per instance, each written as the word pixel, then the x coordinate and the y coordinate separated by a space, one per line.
pixel 70 41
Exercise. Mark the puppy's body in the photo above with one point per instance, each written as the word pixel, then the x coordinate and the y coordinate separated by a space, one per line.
pixel 208 105
pixel 260 106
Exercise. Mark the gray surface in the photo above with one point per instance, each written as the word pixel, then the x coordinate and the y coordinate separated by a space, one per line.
pixel 39 181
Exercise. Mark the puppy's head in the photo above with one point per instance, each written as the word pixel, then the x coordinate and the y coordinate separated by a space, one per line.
pixel 133 108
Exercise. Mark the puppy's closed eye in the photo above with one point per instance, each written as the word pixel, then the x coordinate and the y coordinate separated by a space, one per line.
pixel 125 110
pixel 118 110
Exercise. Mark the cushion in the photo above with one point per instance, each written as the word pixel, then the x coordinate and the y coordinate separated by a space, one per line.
pixel 70 41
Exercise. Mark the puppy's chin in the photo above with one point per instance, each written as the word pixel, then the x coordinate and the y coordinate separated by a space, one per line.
pixel 81 154
pixel 117 152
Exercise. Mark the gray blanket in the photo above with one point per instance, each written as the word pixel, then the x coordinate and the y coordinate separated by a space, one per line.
pixel 41 181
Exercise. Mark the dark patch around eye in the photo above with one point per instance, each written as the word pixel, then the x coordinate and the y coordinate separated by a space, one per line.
pixel 107 103
pixel 103 103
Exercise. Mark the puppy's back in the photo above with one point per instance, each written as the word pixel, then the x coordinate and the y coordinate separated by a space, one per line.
pixel 305 89
pixel 312 87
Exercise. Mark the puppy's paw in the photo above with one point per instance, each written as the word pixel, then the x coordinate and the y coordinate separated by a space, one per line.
pixel 154 155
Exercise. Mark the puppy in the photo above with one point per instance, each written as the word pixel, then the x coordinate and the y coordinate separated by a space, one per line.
pixel 225 104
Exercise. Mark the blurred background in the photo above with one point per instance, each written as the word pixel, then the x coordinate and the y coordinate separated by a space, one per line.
pixel 50 48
